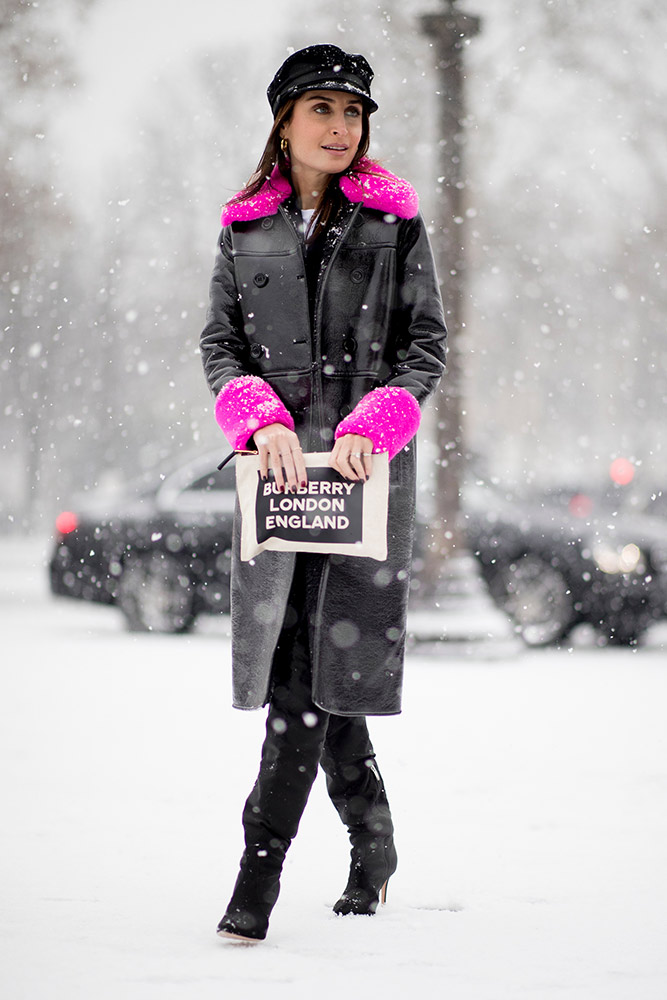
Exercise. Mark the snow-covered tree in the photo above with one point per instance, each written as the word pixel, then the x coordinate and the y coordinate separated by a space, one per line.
pixel 36 281
pixel 567 233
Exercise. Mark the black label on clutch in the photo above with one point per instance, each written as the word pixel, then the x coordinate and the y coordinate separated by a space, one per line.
pixel 328 509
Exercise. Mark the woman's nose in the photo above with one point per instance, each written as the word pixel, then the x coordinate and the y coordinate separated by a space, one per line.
pixel 339 126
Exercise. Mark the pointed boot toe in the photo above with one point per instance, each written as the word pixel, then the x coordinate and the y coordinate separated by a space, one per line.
pixel 257 887
pixel 242 927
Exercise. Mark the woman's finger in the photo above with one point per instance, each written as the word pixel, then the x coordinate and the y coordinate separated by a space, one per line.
pixel 276 465
pixel 292 459
pixel 262 442
pixel 280 451
pixel 263 461
pixel 357 463
pixel 335 458
pixel 340 459
pixel 345 463
pixel 300 466
pixel 352 456
pixel 287 459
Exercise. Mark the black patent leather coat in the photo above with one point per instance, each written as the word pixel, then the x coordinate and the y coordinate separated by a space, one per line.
pixel 377 320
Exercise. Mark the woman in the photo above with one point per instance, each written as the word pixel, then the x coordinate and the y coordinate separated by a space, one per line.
pixel 325 333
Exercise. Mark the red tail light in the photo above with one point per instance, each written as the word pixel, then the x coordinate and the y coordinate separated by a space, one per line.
pixel 580 505
pixel 66 522
pixel 622 471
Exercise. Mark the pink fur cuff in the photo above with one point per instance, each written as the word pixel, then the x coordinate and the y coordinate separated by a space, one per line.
pixel 389 416
pixel 244 405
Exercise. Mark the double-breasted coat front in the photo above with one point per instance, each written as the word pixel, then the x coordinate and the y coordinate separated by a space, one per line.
pixel 361 356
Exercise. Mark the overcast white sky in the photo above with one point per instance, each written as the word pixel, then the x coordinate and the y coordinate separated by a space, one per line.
pixel 126 43
pixel 128 40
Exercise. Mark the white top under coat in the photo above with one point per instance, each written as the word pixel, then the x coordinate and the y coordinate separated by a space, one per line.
pixel 307 216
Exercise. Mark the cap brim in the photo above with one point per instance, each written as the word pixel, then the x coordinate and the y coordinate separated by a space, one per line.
pixel 301 88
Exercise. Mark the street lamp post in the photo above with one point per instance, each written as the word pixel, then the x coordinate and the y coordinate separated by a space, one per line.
pixel 450 30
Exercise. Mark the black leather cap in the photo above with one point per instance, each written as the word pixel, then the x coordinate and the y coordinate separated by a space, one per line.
pixel 321 67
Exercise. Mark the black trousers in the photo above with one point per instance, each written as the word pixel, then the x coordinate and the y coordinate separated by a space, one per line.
pixel 299 737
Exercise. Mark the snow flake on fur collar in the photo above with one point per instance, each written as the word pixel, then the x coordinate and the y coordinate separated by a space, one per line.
pixel 274 192
pixel 370 184
pixel 377 188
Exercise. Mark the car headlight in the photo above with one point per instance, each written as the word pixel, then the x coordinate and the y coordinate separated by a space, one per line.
pixel 623 559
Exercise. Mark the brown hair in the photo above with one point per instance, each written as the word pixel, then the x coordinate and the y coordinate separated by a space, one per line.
pixel 331 199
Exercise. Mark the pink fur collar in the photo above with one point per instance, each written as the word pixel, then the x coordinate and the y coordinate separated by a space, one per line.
pixel 370 184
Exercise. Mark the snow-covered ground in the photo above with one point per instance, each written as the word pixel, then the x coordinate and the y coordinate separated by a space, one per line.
pixel 530 796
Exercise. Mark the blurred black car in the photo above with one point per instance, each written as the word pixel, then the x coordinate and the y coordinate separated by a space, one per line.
pixel 161 552
pixel 557 560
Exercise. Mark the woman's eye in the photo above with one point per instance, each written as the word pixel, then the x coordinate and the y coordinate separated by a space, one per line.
pixel 321 107
pixel 354 112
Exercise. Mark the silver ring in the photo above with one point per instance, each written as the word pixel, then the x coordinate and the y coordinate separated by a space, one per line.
pixel 355 454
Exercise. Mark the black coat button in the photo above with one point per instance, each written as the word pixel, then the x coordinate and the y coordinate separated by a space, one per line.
pixel 267 223
pixel 261 280
pixel 357 275
pixel 256 351
pixel 349 345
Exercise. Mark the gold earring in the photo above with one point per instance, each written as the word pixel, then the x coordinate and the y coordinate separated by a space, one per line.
pixel 283 145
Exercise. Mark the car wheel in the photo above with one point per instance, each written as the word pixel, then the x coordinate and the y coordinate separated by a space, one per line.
pixel 537 597
pixel 155 594
pixel 623 636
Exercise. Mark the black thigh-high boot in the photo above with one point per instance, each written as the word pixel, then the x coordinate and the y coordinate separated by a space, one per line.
pixel 357 791
pixel 295 730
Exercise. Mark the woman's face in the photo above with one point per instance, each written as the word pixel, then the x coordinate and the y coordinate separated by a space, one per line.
pixel 324 131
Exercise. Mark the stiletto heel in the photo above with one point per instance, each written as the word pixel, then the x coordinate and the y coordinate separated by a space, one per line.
pixel 374 861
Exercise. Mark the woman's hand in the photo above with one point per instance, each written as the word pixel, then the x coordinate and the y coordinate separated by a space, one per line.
pixel 352 456
pixel 279 450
